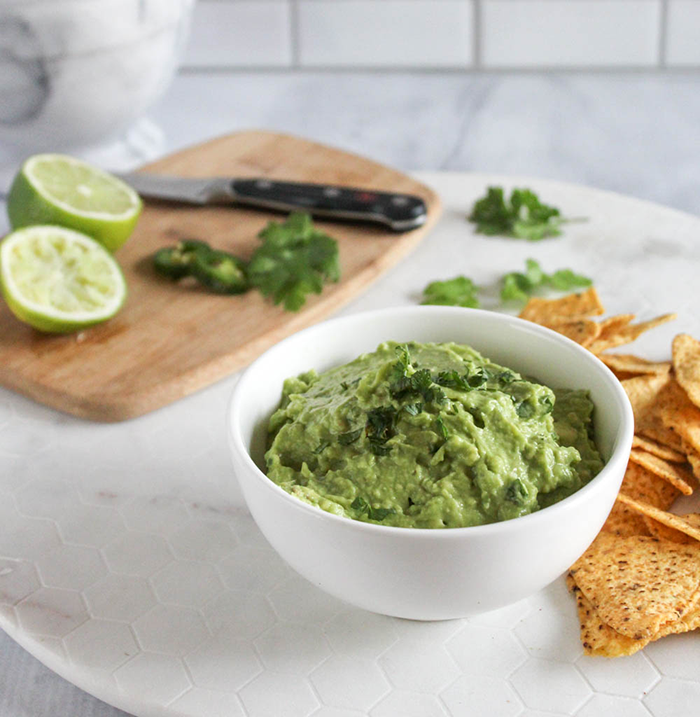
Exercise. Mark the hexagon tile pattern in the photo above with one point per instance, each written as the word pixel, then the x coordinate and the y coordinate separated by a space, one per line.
pixel 128 565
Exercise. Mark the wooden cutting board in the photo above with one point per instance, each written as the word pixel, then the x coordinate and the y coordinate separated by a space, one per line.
pixel 170 339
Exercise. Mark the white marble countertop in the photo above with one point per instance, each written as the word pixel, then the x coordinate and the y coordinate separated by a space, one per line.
pixel 635 134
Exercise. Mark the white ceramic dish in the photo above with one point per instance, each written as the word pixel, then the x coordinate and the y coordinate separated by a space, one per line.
pixel 429 574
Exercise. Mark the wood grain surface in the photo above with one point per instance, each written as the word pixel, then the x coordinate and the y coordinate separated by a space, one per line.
pixel 173 339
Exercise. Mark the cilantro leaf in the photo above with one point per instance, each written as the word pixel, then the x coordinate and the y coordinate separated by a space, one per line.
pixel 522 216
pixel 381 423
pixel 294 260
pixel 459 291
pixel 518 287
pixel 362 506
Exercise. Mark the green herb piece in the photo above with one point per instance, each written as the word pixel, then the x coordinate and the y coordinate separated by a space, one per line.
pixel 420 383
pixel 321 447
pixel 345 439
pixel 451 379
pixel 525 410
pixel 523 216
pixel 381 426
pixel 459 291
pixel 516 492
pixel 519 287
pixel 442 428
pixel 294 260
pixel 413 409
pixel 362 506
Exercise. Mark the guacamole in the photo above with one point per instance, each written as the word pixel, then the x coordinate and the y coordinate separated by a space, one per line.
pixel 429 436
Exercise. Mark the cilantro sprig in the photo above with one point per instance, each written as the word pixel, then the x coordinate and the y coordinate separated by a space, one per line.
pixel 522 216
pixel 517 286
pixel 459 291
pixel 295 259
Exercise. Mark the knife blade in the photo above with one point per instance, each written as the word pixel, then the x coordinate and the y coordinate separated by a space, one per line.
pixel 400 212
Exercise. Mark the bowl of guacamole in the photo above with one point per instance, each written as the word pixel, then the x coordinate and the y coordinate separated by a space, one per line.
pixel 429 462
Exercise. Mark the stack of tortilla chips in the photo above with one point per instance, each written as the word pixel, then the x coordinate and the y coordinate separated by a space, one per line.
pixel 640 579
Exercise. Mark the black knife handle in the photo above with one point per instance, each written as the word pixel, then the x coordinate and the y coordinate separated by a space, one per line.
pixel 401 212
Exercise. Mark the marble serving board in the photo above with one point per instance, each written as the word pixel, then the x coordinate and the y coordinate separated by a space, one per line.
pixel 169 339
pixel 129 565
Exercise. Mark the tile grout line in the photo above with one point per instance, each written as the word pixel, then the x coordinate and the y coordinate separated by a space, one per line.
pixel 663 29
pixel 476 33
pixel 294 33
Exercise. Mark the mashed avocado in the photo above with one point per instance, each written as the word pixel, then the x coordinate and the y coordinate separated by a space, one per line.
pixel 429 436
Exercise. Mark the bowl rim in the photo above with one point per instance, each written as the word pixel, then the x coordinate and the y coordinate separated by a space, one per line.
pixel 621 446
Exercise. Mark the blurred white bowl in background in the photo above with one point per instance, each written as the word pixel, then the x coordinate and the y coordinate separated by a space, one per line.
pixel 77 73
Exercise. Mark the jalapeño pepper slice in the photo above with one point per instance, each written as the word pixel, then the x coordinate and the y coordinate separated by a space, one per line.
pixel 175 262
pixel 220 271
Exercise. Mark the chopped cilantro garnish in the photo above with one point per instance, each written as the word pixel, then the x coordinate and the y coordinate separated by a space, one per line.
pixel 442 428
pixel 518 287
pixel 380 428
pixel 345 439
pixel 413 409
pixel 362 506
pixel 516 492
pixel 321 447
pixel 459 291
pixel 523 216
pixel 294 260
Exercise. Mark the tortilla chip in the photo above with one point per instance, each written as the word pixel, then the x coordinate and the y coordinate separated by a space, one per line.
pixel 658 450
pixel 549 312
pixel 625 333
pixel 638 585
pixel 644 393
pixel 676 475
pixel 694 459
pixel 680 414
pixel 668 519
pixel 582 331
pixel 628 363
pixel 686 364
pixel 665 532
pixel 609 329
pixel 599 639
pixel 641 484
pixel 624 522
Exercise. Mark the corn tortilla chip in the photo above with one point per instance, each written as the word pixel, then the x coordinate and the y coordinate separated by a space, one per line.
pixel 665 532
pixel 638 585
pixel 693 458
pixel 582 331
pixel 676 475
pixel 623 522
pixel 597 638
pixel 686 364
pixel 628 363
pixel 657 449
pixel 680 414
pixel 644 393
pixel 625 333
pixel 610 328
pixel 568 308
pixel 668 519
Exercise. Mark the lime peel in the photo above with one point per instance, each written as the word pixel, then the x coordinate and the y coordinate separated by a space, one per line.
pixel 59 280
pixel 62 190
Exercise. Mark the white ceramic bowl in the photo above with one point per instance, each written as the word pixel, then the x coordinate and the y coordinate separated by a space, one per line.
pixel 429 574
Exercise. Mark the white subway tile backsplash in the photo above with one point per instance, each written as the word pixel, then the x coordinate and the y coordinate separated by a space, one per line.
pixel 243 33
pixel 683 33
pixel 386 33
pixel 570 33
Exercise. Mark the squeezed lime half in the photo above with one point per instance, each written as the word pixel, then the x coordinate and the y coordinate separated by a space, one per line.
pixel 59 280
pixel 57 189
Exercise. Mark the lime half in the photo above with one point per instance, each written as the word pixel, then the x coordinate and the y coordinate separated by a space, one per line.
pixel 57 189
pixel 59 280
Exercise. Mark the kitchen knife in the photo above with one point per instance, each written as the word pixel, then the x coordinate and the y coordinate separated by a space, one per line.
pixel 400 212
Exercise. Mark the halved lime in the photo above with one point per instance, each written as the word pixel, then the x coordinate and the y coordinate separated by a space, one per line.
pixel 57 189
pixel 59 280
